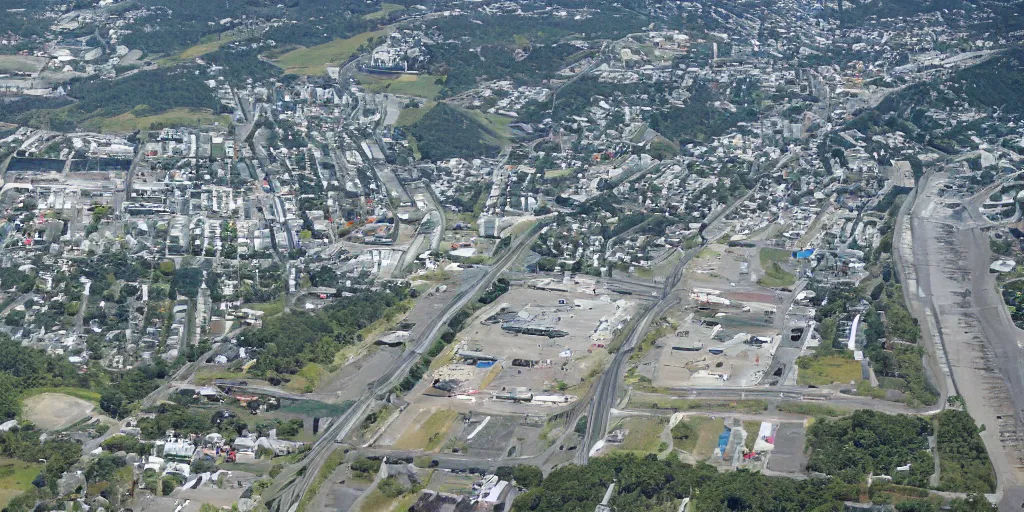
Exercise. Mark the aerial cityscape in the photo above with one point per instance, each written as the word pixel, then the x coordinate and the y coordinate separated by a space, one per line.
pixel 511 256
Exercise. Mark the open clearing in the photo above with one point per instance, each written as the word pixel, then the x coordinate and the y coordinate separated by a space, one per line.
pixel 128 122
pixel 702 444
pixel 21 64
pixel 409 116
pixel 423 86
pixel 644 435
pixel 314 59
pixel 15 478
pixel 822 371
pixel 54 411
pixel 427 431
pixel 385 10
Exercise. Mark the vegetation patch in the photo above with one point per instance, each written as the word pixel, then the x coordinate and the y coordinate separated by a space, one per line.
pixel 429 433
pixel 872 442
pixel 448 132
pixel 964 465
pixel 315 59
pixel 811 409
pixel 175 117
pixel 385 10
pixel 685 404
pixel 698 435
pixel 819 370
pixel 15 478
pixel 420 85
pixel 644 434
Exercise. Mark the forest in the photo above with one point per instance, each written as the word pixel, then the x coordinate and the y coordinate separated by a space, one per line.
pixel 446 132
pixel 289 341
pixel 872 442
pixel 644 484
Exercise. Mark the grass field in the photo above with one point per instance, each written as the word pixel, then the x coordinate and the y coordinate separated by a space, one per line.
pixel 810 409
pixel 15 478
pixel 128 122
pixel 775 276
pixel 822 371
pixel 702 445
pixel 752 428
pixel 314 59
pixel 685 404
pixel 269 309
pixel 427 432
pixel 385 10
pixel 423 86
pixel 644 434
pixel 769 255
pixel 495 122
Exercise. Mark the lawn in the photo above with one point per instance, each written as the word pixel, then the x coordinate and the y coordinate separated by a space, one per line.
pixel 128 122
pixel 427 434
pixel 15 478
pixel 385 10
pixel 314 59
pixel 810 409
pixel 644 434
pixel 822 371
pixel 307 379
pixel 423 86
pixel 21 64
pixel 702 444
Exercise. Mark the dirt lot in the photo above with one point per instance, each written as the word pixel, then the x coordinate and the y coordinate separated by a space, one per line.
pixel 557 363
pixel 54 411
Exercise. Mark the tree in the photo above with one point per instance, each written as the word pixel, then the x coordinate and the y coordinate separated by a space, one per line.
pixel 10 400
pixel 15 318
pixel 112 402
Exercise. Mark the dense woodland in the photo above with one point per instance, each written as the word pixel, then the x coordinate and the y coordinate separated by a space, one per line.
pixel 446 132
pixel 287 342
pixel 872 442
pixel 647 483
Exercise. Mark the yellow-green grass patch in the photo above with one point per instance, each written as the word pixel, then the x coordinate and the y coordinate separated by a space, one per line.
pixel 644 434
pixel 702 444
pixel 385 10
pixel 822 371
pixel 129 122
pixel 314 60
pixel 428 430
pixel 420 85
pixel 15 478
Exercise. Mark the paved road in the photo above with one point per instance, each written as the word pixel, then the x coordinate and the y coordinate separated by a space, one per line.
pixel 290 486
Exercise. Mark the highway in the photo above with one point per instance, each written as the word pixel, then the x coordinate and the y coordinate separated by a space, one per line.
pixel 290 486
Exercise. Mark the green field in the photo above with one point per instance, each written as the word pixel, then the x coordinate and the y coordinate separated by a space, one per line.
pixel 422 86
pixel 15 478
pixel 702 444
pixel 822 371
pixel 385 10
pixel 686 404
pixel 769 255
pixel 315 59
pixel 128 122
pixel 775 276
pixel 644 434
